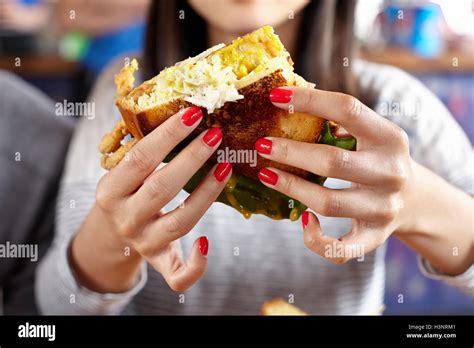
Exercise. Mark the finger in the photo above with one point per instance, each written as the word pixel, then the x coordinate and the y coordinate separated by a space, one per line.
pixel 355 117
pixel 362 204
pixel 181 220
pixel 316 241
pixel 178 274
pixel 163 185
pixel 325 160
pixel 150 151
pixel 338 251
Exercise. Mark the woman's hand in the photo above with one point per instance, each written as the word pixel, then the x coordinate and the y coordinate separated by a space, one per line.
pixel 129 202
pixel 381 171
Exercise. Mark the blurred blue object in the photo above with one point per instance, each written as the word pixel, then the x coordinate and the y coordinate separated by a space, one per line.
pixel 416 27
pixel 103 49
pixel 31 2
pixel 420 294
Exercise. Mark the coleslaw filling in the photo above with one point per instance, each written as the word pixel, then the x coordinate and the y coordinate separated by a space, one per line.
pixel 200 80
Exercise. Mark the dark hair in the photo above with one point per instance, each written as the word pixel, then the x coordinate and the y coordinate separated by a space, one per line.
pixel 325 42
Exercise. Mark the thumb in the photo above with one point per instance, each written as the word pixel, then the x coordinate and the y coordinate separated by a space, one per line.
pixel 182 275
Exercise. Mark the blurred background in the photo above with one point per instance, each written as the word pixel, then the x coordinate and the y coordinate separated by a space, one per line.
pixel 62 46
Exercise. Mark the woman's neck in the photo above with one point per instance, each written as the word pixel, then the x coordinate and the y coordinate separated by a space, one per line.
pixel 287 31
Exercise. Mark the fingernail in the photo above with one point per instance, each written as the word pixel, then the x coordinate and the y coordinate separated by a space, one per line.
pixel 212 137
pixel 280 95
pixel 263 146
pixel 222 170
pixel 203 245
pixel 267 176
pixel 191 116
pixel 305 218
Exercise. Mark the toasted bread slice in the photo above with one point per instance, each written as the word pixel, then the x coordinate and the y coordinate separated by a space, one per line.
pixel 279 306
pixel 242 122
pixel 259 63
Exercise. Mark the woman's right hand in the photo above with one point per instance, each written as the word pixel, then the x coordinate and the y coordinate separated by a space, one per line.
pixel 130 198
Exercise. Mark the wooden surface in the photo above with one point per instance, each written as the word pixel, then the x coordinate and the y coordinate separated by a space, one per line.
pixel 54 65
pixel 39 65
pixel 412 63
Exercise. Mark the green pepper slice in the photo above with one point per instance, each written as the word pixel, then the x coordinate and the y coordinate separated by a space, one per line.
pixel 249 196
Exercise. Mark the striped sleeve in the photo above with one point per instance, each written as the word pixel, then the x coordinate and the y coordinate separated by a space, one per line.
pixel 57 290
pixel 463 282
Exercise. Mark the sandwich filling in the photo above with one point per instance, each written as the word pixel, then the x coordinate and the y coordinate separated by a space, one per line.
pixel 214 77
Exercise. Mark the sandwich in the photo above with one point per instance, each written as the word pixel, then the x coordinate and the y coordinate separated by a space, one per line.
pixel 231 83
pixel 278 306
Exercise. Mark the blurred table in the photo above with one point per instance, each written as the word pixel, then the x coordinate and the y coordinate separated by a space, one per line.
pixel 58 78
pixel 39 65
pixel 408 61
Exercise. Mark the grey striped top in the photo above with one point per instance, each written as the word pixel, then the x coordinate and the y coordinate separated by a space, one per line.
pixel 252 261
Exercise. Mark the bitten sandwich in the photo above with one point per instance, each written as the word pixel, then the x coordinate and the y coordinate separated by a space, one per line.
pixel 232 85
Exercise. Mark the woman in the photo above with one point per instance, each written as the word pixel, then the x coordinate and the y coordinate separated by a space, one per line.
pixel 116 251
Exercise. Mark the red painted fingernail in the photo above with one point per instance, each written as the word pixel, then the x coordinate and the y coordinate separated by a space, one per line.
pixel 222 170
pixel 212 137
pixel 280 95
pixel 305 218
pixel 191 116
pixel 203 245
pixel 263 146
pixel 267 176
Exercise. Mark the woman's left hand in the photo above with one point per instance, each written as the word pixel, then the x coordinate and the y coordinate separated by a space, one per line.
pixel 381 170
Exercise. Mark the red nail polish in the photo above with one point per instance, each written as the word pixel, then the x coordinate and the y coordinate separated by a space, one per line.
pixel 222 170
pixel 263 146
pixel 191 116
pixel 267 176
pixel 203 245
pixel 305 218
pixel 280 95
pixel 212 137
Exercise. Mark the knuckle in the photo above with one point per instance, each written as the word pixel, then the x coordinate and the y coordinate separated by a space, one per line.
pixel 103 197
pixel 309 98
pixel 309 241
pixel 170 134
pixel 336 161
pixel 283 149
pixel 351 105
pixel 147 249
pixel 175 226
pixel 198 153
pixel 139 158
pixel 392 209
pixel 330 205
pixel 398 175
pixel 289 183
pixel 159 186
pixel 400 137
pixel 127 227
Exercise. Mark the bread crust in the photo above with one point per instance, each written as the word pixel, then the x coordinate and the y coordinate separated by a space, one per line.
pixel 241 122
